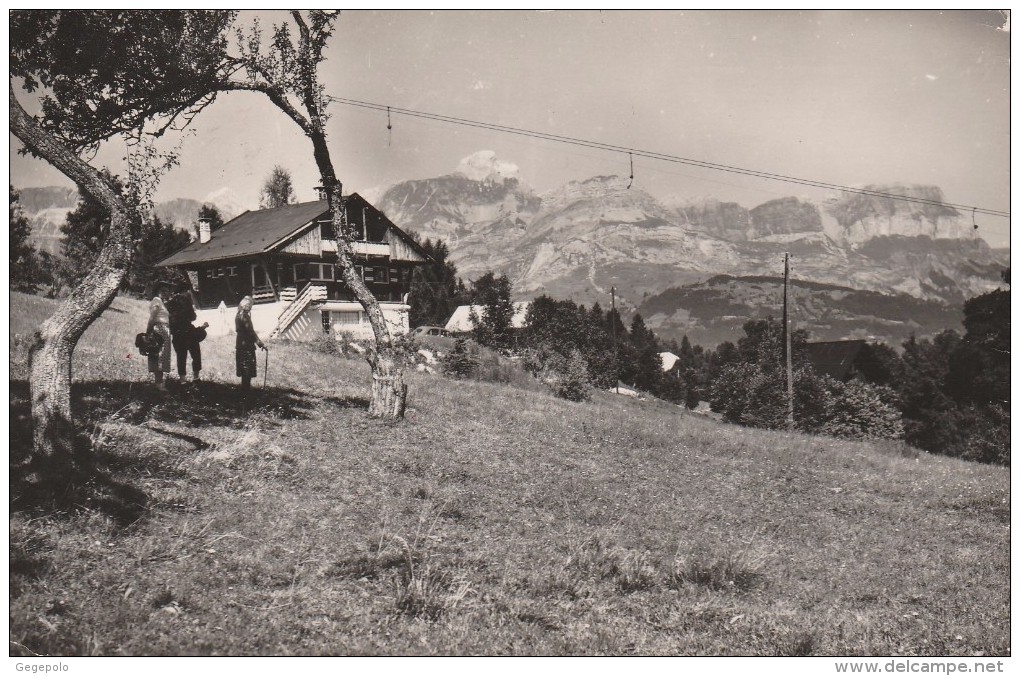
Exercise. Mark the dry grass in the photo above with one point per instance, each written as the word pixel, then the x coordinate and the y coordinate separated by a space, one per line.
pixel 493 520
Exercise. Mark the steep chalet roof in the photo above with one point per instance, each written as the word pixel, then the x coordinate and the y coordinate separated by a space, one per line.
pixel 253 232
pixel 834 358
pixel 668 360
pixel 258 232
pixel 460 320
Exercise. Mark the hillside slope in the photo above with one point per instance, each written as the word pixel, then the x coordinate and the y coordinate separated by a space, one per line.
pixel 493 520
pixel 715 310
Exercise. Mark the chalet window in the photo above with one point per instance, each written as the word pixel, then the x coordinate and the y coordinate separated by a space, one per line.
pixel 299 271
pixel 326 230
pixel 210 273
pixel 405 275
pixel 380 276
pixel 327 325
pixel 359 271
pixel 232 271
pixel 347 318
pixel 321 271
pixel 369 274
pixel 394 275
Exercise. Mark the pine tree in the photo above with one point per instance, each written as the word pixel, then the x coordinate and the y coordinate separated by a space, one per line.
pixel 158 241
pixel 84 231
pixel 436 290
pixel 494 328
pixel 645 368
pixel 210 212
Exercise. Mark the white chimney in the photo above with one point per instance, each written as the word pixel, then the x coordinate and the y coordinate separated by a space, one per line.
pixel 204 230
pixel 320 193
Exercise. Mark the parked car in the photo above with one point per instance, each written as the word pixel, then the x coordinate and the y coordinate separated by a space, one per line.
pixel 421 331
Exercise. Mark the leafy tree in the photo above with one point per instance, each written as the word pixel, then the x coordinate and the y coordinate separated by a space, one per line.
pixel 979 369
pixel 879 364
pixel 954 391
pixel 986 433
pixel 749 388
pixel 858 410
pixel 29 268
pixel 278 190
pixel 763 342
pixel 151 71
pixel 929 413
pixel 554 329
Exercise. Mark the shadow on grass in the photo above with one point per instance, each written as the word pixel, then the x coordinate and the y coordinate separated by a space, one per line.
pixel 82 476
pixel 70 479
pixel 204 404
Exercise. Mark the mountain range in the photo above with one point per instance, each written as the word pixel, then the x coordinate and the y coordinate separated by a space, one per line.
pixel 580 240
pixel 685 264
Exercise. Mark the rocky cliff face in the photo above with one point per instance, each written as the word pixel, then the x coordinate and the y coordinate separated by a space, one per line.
pixel 860 218
pixel 581 239
pixel 784 216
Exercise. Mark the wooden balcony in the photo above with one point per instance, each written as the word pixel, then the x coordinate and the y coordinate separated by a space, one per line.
pixel 361 248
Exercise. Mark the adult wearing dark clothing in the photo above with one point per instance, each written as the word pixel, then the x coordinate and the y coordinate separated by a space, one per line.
pixel 184 336
pixel 247 339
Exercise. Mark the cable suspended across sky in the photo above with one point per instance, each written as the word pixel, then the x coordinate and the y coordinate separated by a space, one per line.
pixel 390 110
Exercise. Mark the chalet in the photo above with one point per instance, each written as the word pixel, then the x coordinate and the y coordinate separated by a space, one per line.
pixel 285 259
pixel 460 321
pixel 668 360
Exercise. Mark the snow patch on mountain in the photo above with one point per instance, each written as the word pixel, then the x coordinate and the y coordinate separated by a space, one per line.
pixel 484 166
pixel 227 202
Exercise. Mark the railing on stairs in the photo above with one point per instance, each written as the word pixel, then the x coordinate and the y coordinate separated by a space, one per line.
pixel 310 294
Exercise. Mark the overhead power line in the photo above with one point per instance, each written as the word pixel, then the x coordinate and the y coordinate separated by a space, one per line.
pixel 394 110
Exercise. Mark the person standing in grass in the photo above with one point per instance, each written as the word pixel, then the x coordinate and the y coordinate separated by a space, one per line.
pixel 247 339
pixel 185 336
pixel 159 325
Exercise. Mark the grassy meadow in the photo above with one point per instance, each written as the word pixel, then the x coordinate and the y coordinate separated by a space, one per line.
pixel 495 519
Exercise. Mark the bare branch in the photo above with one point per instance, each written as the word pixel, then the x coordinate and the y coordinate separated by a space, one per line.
pixel 275 95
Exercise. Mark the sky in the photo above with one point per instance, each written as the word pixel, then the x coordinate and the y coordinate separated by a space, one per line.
pixel 844 97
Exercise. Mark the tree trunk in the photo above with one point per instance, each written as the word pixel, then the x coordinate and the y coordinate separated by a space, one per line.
pixel 389 391
pixel 53 348
pixel 51 353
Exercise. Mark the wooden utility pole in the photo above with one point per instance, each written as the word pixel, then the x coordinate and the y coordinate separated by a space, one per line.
pixel 787 340
pixel 612 323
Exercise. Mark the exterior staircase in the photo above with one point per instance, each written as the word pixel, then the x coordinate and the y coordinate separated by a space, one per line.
pixel 299 301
